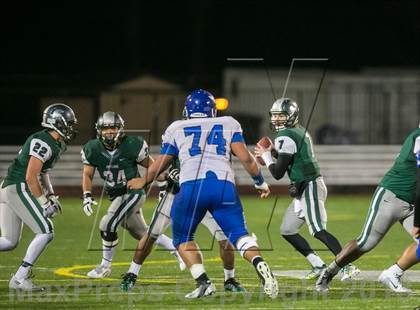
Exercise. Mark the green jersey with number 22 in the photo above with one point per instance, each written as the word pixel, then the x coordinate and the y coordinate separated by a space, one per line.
pixel 40 145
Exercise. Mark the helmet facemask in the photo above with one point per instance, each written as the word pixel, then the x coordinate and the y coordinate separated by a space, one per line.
pixel 277 124
pixel 66 129
pixel 110 139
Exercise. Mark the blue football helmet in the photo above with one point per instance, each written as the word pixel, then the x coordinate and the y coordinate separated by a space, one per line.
pixel 200 103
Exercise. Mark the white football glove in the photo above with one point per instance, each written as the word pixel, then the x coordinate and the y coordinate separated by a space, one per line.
pixel 162 189
pixel 88 202
pixel 263 189
pixel 51 207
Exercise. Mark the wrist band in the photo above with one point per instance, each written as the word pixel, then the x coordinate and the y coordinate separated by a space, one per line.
pixel 42 200
pixel 162 183
pixel 87 194
pixel 259 179
pixel 267 158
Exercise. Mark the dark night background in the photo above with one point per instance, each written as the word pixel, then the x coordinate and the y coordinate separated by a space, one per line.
pixel 80 48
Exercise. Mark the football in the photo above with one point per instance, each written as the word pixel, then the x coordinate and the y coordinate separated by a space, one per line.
pixel 266 143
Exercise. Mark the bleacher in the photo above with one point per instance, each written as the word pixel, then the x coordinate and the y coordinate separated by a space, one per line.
pixel 341 165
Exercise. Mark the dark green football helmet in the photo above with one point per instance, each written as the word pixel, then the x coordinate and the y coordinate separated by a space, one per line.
pixel 60 118
pixel 287 107
pixel 110 120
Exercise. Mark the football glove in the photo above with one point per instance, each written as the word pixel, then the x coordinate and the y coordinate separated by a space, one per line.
pixel 263 189
pixel 88 202
pixel 174 175
pixel 162 189
pixel 51 207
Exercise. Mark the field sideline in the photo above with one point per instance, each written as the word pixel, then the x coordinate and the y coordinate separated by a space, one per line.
pixel 63 266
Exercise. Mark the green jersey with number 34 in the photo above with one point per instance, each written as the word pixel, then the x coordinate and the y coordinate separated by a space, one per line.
pixel 40 145
pixel 118 166
pixel 298 143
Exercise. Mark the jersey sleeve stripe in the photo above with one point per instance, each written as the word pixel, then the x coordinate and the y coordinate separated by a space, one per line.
pixel 169 149
pixel 418 159
pixel 237 137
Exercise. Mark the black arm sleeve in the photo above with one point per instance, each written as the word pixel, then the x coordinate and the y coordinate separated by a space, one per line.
pixel 417 201
pixel 278 169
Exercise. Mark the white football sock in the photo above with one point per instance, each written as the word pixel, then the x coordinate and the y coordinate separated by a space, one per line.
pixel 197 270
pixel 165 242
pixel 35 248
pixel 396 269
pixel 23 272
pixel 334 268
pixel 134 268
pixel 107 255
pixel 229 273
pixel 315 260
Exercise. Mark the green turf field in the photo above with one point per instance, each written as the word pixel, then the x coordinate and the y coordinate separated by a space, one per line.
pixel 161 285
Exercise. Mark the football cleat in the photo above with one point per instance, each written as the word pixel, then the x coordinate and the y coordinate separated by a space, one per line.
pixel 128 281
pixel 231 285
pixel 99 272
pixel 349 272
pixel 393 281
pixel 315 272
pixel 271 287
pixel 178 257
pixel 203 289
pixel 324 280
pixel 24 284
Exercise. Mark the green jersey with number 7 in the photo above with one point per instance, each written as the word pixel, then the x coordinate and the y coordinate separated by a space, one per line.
pixel 297 142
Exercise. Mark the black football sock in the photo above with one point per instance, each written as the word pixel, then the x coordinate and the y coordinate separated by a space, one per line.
pixel 256 260
pixel 299 243
pixel 329 240
pixel 203 278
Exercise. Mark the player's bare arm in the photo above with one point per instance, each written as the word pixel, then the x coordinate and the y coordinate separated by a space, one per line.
pixel 147 162
pixel 157 167
pixel 248 162
pixel 32 173
pixel 46 183
pixel 87 177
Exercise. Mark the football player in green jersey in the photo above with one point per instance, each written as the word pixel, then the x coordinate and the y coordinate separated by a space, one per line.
pixel 116 156
pixel 294 154
pixel 26 194
pixel 393 201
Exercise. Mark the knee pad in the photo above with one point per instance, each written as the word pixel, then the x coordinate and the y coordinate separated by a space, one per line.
pixel 245 243
pixel 286 230
pixel 49 236
pixel 159 225
pixel 367 246
pixel 7 244
pixel 109 239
